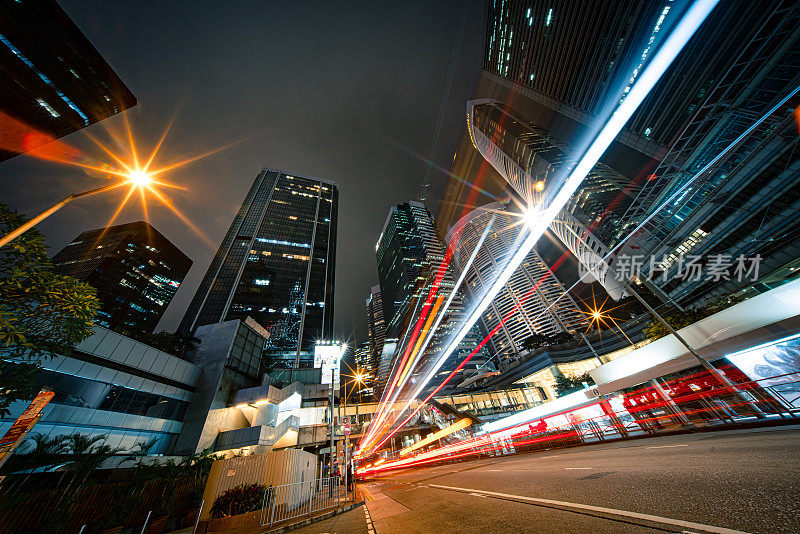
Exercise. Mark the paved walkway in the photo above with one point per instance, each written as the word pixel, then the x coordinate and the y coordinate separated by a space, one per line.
pixel 352 522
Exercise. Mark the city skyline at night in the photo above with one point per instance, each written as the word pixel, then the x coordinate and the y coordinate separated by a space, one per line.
pixel 469 266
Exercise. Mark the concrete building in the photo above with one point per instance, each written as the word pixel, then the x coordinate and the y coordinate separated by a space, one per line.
pixel 238 407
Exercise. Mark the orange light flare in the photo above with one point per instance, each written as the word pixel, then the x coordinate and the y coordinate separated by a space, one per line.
pixel 600 316
pixel 124 161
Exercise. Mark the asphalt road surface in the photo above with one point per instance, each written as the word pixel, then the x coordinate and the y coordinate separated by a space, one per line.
pixel 723 482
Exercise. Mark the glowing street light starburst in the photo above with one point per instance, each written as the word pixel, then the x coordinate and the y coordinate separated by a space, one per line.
pixel 600 317
pixel 140 176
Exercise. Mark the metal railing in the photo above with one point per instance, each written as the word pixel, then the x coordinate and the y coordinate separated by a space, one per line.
pixel 289 501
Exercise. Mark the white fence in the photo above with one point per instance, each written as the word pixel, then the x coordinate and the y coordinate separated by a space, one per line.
pixel 289 501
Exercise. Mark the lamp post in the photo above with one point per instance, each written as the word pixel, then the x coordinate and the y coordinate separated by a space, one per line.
pixel 136 179
pixel 358 378
pixel 48 212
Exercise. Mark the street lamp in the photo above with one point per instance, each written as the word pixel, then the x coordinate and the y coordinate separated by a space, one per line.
pixel 135 179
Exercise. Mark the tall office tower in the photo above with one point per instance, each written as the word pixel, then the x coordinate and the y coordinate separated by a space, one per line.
pixel 376 332
pixel 410 254
pixel 52 80
pixel 276 264
pixel 408 248
pixel 525 155
pixel 528 298
pixel 363 361
pixel 134 268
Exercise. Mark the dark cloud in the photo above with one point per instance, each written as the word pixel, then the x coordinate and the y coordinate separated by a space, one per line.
pixel 342 90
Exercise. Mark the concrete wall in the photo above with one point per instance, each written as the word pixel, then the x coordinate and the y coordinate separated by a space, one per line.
pixel 206 414
pixel 270 469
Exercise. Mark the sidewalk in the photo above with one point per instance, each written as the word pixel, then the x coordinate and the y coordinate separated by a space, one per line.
pixel 251 521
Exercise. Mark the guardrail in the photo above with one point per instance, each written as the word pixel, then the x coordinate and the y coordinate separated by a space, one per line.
pixel 289 501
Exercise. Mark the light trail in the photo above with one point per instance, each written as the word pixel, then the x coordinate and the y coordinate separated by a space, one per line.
pixel 450 298
pixel 686 185
pixel 540 219
pixel 554 423
pixel 474 191
pixel 461 424
pixel 660 62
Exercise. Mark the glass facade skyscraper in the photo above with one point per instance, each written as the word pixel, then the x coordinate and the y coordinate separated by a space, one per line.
pixel 529 300
pixel 134 268
pixel 376 332
pixel 52 80
pixel 741 63
pixel 407 249
pixel 276 264
pixel 410 254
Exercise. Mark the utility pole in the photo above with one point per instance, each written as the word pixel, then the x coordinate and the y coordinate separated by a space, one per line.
pixel 330 452
pixel 346 435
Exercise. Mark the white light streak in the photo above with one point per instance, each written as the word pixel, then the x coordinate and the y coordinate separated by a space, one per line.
pixel 661 60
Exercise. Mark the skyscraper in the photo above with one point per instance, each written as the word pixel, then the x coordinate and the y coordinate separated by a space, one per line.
pixel 52 80
pixel 525 155
pixel 738 67
pixel 528 298
pixel 363 361
pixel 376 334
pixel 134 268
pixel 410 255
pixel 276 264
pixel 407 249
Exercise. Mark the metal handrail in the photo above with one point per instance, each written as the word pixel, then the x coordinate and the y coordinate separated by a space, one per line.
pixel 298 499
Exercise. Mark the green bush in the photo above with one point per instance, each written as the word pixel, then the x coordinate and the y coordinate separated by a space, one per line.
pixel 238 500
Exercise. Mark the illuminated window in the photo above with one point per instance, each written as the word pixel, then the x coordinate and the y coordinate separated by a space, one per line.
pixel 48 107
pixel 261 282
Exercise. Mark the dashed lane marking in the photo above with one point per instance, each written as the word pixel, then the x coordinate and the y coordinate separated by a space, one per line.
pixel 601 509
pixel 577 468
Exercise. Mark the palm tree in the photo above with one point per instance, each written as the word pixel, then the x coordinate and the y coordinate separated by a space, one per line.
pixel 44 450
pixel 80 444
pixel 87 456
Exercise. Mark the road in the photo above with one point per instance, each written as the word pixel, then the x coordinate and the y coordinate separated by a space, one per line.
pixel 744 480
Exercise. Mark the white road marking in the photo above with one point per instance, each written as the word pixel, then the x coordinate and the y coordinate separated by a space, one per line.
pixel 478 495
pixel 667 446
pixel 611 511
pixel 577 468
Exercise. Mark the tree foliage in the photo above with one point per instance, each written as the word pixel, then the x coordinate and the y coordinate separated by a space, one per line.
pixel 41 313
pixel 239 500
pixel 170 342
pixel 542 340
pixel 566 385
pixel 681 319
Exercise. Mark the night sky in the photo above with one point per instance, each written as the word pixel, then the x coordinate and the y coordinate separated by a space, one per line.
pixel 341 90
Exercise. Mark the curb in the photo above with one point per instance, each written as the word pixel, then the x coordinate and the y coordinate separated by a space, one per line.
pixel 312 520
